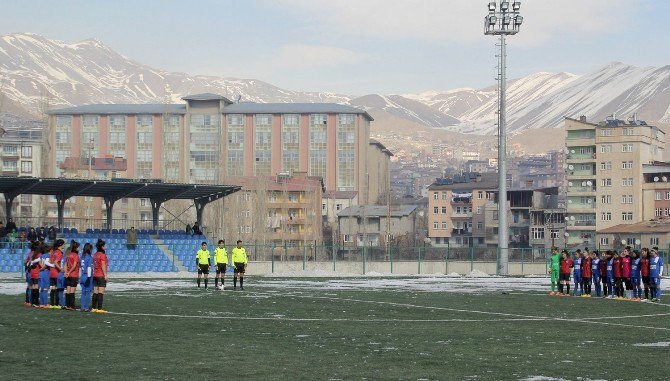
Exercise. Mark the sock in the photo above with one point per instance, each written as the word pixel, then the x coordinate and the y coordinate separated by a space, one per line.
pixel 206 282
pixel 36 298
pixel 222 281
pixel 235 281
pixel 216 281
pixel 646 292
pixel 568 286
pixel 52 297
pixel 28 295
pixel 241 282
pixel 94 301
pixel 198 282
pixel 61 297
pixel 560 288
pixel 100 299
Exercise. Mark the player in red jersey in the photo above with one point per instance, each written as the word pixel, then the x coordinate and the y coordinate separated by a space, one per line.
pixel 55 259
pixel 603 272
pixel 100 264
pixel 626 271
pixel 587 273
pixel 72 266
pixel 644 272
pixel 33 265
pixel 618 280
pixel 566 266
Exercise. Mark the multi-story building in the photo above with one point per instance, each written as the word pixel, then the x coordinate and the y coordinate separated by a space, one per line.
pixel 456 209
pixel 283 211
pixel 209 139
pixel 21 155
pixel 372 225
pixel 604 173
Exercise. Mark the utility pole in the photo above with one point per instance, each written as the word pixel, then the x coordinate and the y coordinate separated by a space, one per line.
pixel 502 21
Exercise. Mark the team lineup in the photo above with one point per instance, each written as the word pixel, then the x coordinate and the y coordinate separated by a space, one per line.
pixel 614 275
pixel 53 272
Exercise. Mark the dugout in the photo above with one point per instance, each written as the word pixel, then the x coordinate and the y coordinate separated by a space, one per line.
pixel 111 192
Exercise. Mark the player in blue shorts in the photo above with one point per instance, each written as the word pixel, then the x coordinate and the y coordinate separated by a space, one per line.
pixel 60 281
pixel 610 274
pixel 86 278
pixel 595 271
pixel 44 280
pixel 655 273
pixel 635 276
pixel 577 273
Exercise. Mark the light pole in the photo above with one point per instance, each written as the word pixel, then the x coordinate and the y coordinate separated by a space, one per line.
pixel 502 21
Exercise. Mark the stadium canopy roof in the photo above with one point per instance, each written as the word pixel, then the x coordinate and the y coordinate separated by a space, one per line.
pixel 112 191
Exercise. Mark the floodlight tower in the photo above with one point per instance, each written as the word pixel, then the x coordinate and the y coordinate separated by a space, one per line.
pixel 502 21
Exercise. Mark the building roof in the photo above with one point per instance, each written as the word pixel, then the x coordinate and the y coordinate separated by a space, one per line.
pixel 652 226
pixel 112 109
pixel 378 144
pixel 292 108
pixel 341 195
pixel 122 188
pixel 206 97
pixel 487 181
pixel 377 211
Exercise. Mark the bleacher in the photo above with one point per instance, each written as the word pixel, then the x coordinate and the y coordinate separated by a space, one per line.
pixel 146 257
pixel 184 246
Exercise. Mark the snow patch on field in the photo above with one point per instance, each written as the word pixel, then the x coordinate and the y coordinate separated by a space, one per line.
pixel 659 344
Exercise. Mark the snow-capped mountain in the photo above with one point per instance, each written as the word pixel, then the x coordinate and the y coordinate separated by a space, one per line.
pixel 89 72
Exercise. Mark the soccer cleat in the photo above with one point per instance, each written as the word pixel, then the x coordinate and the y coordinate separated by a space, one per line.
pixel 102 311
pixel 552 293
pixel 242 288
pixel 27 304
pixel 94 310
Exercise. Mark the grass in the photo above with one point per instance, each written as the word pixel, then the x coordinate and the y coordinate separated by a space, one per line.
pixel 276 331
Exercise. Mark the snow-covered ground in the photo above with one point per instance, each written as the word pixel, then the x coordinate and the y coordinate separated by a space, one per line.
pixel 426 283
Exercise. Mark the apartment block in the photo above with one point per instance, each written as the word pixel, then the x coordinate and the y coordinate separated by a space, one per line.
pixel 604 173
pixel 369 225
pixel 21 155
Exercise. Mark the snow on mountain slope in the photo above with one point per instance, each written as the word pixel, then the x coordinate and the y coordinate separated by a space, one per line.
pixel 89 72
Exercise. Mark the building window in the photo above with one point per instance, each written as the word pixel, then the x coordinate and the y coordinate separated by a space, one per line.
pixel 27 152
pixel 143 202
pixel 235 163
pixel 658 212
pixel 554 234
pixel 606 216
pixel 436 210
pixel 606 165
pixel 338 207
pixel 26 167
pixel 666 212
pixel 653 241
pixel 480 225
pixel 627 216
pixel 480 195
pixel 605 148
pixel 317 145
pixel 606 182
pixel 444 225
pixel 347 238
pixel 606 132
pixel 346 151
pixel 667 195
pixel 444 195
pixel 480 210
pixel 604 241
pixel 627 164
pixel 627 182
pixel 435 196
pixel 606 199
pixel 263 144
pixel 537 233
pixel 444 210
pixel 436 225
pixel 658 196
pixel 90 136
pixel 628 131
pixel 627 147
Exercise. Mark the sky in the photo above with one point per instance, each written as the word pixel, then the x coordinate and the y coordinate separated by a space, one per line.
pixel 354 47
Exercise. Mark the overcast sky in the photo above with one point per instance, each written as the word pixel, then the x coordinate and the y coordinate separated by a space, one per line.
pixel 355 46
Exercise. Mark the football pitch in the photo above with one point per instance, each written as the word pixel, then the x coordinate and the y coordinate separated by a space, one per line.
pixel 421 328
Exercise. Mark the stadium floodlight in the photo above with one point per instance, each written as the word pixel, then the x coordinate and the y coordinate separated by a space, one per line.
pixel 502 21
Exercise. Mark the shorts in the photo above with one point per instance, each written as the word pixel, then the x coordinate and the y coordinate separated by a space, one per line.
pixel 27 277
pixel 645 279
pixel 578 278
pixel 99 281
pixel 586 280
pixel 240 267
pixel 221 268
pixel 34 281
pixel 596 279
pixel 627 282
pixel 71 281
pixel 565 277
pixel 655 282
pixel 635 281
pixel 203 269
pixel 53 281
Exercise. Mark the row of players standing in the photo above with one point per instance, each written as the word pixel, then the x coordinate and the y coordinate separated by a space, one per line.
pixel 51 272
pixel 613 275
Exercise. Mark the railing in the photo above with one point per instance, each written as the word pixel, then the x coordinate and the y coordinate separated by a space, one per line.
pixel 82 224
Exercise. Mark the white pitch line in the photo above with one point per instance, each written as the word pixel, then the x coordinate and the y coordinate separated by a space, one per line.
pixel 318 319
pixel 626 317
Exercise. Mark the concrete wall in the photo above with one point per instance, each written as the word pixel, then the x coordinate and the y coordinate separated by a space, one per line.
pixel 400 268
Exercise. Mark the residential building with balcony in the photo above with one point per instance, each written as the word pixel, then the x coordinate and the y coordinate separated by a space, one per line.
pixel 21 155
pixel 604 173
pixel 373 226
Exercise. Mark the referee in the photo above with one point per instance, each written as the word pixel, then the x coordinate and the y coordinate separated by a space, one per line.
pixel 202 263
pixel 239 255
pixel 220 263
